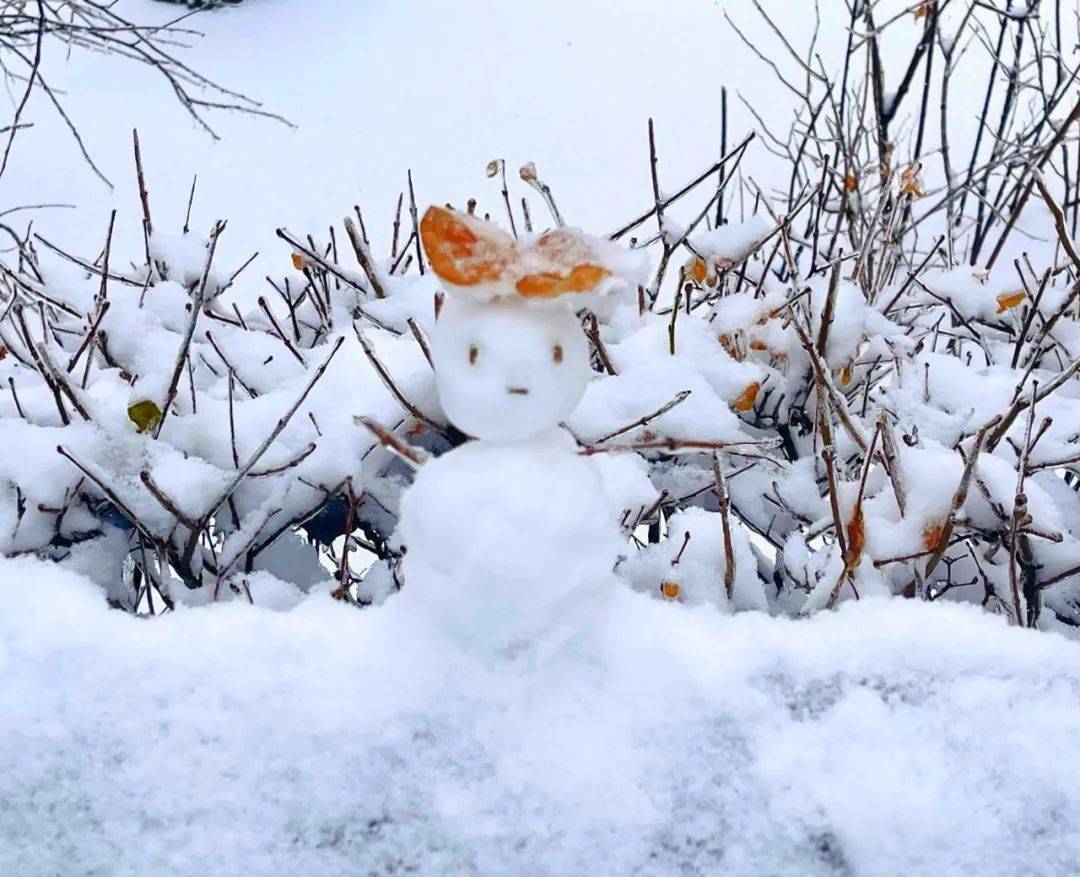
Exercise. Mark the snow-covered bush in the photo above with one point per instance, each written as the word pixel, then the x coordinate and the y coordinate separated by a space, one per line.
pixel 841 388
pixel 203 4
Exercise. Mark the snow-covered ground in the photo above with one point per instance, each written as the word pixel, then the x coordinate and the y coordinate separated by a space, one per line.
pixel 889 738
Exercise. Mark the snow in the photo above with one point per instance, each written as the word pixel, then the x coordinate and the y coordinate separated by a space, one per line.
pixel 511 545
pixel 366 115
pixel 545 695
pixel 693 560
pixel 509 538
pixel 507 371
pixel 233 739
pixel 732 242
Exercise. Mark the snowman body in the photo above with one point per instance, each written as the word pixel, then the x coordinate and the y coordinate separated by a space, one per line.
pixel 510 539
pixel 510 543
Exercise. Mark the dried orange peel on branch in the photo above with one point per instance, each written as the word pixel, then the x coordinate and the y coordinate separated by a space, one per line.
pixel 469 252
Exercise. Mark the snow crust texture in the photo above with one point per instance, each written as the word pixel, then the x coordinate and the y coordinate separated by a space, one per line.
pixel 888 738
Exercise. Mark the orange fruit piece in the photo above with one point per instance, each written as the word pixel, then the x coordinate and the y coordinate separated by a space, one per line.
pixel 747 397
pixel 548 284
pixel 464 250
pixel 571 270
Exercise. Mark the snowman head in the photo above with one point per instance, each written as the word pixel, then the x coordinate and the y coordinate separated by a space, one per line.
pixel 505 371
pixel 510 356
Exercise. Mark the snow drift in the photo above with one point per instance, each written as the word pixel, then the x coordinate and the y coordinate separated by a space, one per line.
pixel 888 738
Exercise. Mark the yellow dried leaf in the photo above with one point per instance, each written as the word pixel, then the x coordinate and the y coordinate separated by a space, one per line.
pixel 729 345
pixel 910 184
pixel 747 397
pixel 931 536
pixel 913 188
pixel 298 261
pixel 1009 300
pixel 856 538
pixel 850 183
pixel 145 414
pixel 924 9
pixel 697 270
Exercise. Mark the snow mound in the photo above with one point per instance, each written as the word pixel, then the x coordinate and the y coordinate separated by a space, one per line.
pixel 889 737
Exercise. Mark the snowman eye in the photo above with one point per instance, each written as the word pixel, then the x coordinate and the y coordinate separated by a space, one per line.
pixel 474 352
pixel 557 353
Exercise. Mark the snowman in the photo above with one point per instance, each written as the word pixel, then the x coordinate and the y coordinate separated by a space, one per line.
pixel 510 539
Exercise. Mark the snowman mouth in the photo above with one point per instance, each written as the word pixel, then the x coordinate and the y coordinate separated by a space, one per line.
pixel 517 391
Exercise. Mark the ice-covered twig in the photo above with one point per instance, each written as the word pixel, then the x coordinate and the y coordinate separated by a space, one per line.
pixel 244 470
pixel 959 497
pixel 388 382
pixel 363 256
pixel 893 465
pixel 309 253
pixel 498 166
pixel 166 502
pixel 418 334
pixel 674 444
pixel 693 184
pixel 265 308
pixel 289 464
pixel 723 500
pixel 410 454
pixel 821 374
pixel 529 175
pixel 1002 423
pixel 679 398
pixel 1033 168
pixel 592 332
pixel 197 301
pixel 1059 220
pixel 1020 562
